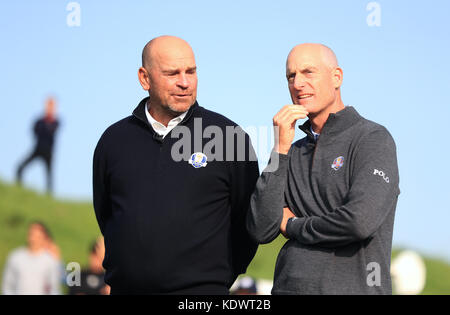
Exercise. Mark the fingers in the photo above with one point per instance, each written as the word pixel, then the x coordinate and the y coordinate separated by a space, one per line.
pixel 287 214
pixel 289 114
pixel 284 124
pixel 293 108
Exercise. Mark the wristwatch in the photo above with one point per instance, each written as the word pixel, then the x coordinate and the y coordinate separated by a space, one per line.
pixel 289 221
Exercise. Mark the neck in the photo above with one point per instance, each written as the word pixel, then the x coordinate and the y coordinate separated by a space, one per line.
pixel 49 118
pixel 319 119
pixel 35 250
pixel 160 113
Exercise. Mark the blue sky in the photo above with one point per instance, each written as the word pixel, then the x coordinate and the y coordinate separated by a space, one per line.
pixel 395 74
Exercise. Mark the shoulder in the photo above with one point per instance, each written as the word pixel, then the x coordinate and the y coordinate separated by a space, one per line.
pixel 118 127
pixel 18 254
pixel 48 258
pixel 210 117
pixel 371 140
pixel 371 131
pixel 39 123
pixel 116 131
pixel 213 119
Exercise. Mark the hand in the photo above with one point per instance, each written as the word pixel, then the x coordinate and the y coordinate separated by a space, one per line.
pixel 287 214
pixel 285 121
pixel 53 250
pixel 106 290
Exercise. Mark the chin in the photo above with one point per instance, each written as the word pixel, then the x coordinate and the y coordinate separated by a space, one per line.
pixel 310 107
pixel 180 107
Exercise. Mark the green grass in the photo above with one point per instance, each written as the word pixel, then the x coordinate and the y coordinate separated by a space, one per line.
pixel 263 265
pixel 74 227
pixel 438 277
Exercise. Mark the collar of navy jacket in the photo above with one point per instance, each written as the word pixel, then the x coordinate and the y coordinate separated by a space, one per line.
pixel 139 113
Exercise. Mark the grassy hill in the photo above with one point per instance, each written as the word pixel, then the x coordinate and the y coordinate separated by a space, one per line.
pixel 74 227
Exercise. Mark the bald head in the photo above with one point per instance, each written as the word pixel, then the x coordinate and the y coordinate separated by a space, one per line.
pixel 314 52
pixel 165 46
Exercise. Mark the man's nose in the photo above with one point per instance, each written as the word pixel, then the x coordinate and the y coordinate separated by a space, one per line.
pixel 183 81
pixel 299 82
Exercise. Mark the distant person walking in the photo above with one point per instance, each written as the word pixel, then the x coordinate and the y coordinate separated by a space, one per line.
pixel 44 129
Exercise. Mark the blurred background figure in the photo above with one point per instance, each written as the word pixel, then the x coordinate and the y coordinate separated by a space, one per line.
pixel 32 270
pixel 44 130
pixel 245 286
pixel 408 273
pixel 92 278
pixel 53 249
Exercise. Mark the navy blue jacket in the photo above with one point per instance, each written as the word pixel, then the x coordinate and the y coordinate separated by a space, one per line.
pixel 45 134
pixel 167 225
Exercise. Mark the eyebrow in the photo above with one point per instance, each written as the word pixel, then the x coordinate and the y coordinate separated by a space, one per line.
pixel 302 69
pixel 310 68
pixel 174 70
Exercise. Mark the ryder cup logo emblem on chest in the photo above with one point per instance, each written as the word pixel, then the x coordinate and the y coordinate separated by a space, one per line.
pixel 338 163
pixel 198 160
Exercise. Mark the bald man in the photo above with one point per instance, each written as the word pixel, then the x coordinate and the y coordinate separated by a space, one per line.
pixel 334 193
pixel 173 225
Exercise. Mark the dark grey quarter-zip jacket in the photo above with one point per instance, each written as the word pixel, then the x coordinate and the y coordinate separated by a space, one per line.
pixel 343 190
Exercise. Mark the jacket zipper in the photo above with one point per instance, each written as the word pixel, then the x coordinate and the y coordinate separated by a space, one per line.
pixel 314 153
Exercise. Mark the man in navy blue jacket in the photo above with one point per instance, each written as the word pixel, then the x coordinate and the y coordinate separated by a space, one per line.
pixel 172 209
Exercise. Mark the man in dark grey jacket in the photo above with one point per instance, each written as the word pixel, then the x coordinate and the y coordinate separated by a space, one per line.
pixel 333 193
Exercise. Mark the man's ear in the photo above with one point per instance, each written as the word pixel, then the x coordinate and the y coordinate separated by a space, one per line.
pixel 338 76
pixel 144 78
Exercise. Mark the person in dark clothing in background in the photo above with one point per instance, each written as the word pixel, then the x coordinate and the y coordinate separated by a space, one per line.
pixel 92 278
pixel 173 211
pixel 44 130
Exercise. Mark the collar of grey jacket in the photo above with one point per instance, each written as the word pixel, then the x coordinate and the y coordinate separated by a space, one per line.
pixel 336 122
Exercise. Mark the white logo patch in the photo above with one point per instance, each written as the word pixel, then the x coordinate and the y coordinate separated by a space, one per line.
pixel 198 160
pixel 382 174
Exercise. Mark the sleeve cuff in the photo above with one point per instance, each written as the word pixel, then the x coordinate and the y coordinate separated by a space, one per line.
pixel 293 227
pixel 278 164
